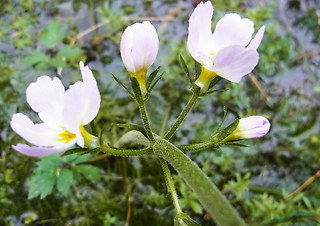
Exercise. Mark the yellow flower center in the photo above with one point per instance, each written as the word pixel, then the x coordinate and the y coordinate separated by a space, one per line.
pixel 212 54
pixel 66 136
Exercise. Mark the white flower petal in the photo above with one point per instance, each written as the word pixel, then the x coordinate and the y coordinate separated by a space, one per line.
pixel 125 49
pixel 36 134
pixel 92 97
pixel 82 102
pixel 234 62
pixel 151 43
pixel 231 30
pixel 200 32
pixel 254 44
pixel 41 151
pixel 46 97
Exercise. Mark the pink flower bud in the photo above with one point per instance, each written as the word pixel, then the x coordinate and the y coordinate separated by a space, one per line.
pixel 250 127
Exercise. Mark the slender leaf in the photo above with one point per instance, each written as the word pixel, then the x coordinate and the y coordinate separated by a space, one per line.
pixel 126 88
pixel 154 84
pixel 186 70
pixel 197 67
pixel 215 81
pixel 151 77
pixel 187 219
pixel 131 126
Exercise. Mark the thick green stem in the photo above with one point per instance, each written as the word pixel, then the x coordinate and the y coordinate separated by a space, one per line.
pixel 145 120
pixel 124 152
pixel 170 185
pixel 183 114
pixel 209 195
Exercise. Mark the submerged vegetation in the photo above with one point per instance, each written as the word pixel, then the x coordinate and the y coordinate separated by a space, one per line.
pixel 51 37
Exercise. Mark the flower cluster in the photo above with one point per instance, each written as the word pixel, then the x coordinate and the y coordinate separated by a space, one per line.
pixel 229 52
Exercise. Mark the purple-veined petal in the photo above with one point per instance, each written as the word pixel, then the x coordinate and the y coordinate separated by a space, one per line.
pixel 231 30
pixel 46 97
pixel 200 32
pixel 41 151
pixel 234 62
pixel 255 42
pixel 36 134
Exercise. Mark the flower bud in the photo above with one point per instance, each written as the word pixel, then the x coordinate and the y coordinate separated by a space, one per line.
pixel 139 47
pixel 250 127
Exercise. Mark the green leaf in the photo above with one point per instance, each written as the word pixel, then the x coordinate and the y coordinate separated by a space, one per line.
pixel 197 67
pixel 125 87
pixel 64 181
pixel 186 219
pixel 213 91
pixel 154 84
pixel 42 66
pixel 185 68
pixel 49 162
pixel 151 77
pixel 52 34
pixel 88 171
pixel 69 52
pixel 35 58
pixel 76 159
pixel 196 207
pixel 215 81
pixel 58 63
pixel 235 144
pixel 41 185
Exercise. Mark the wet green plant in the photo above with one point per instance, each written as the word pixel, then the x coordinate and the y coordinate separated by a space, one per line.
pixel 280 162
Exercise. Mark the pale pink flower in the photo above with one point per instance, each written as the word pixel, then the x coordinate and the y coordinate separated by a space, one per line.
pixel 250 127
pixel 63 114
pixel 229 51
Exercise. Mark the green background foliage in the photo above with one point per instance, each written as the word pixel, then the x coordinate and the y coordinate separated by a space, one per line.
pixel 51 37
